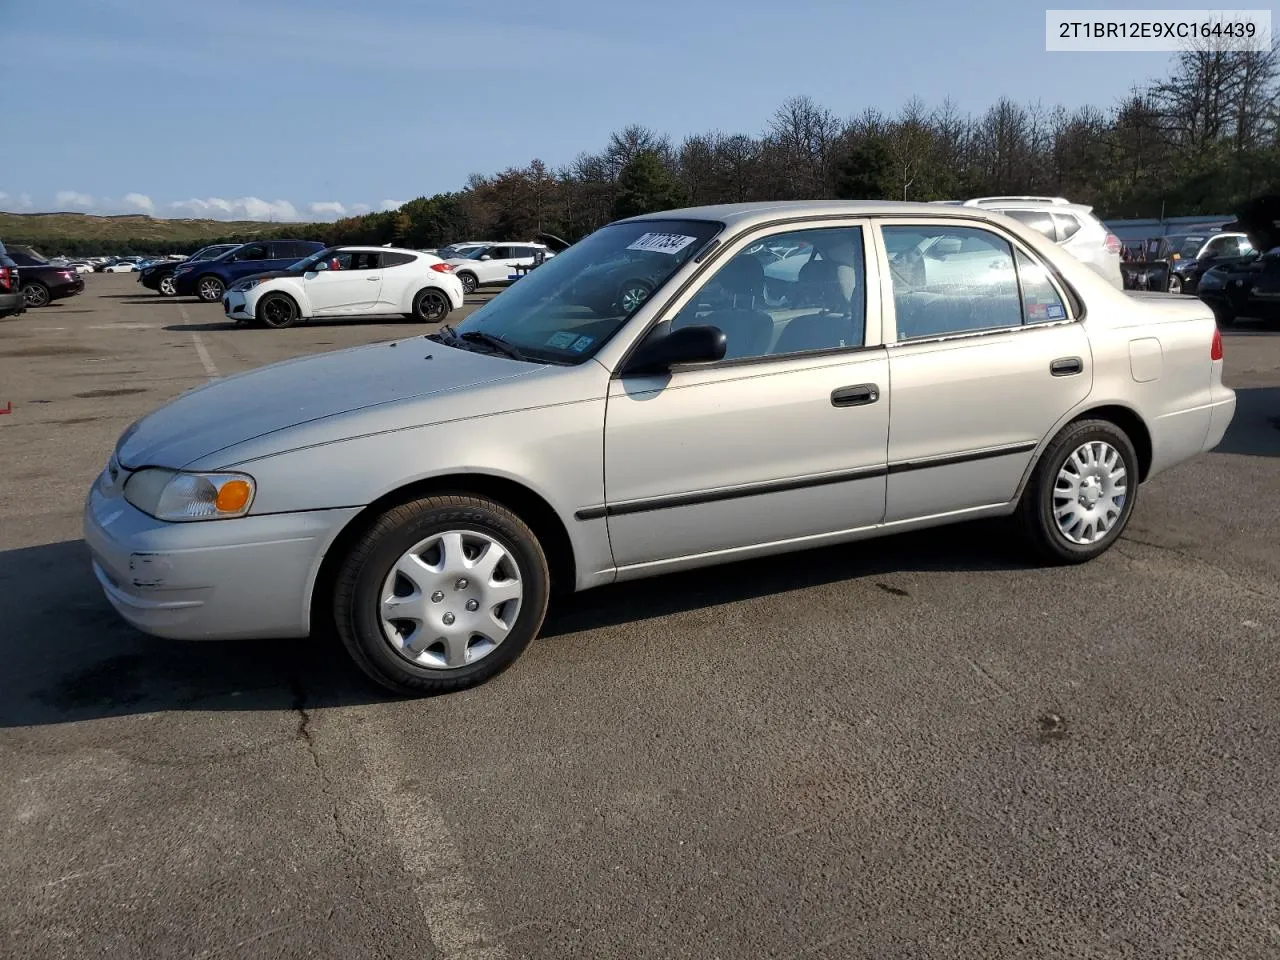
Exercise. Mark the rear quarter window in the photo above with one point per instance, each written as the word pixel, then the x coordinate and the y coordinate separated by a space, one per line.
pixel 397 259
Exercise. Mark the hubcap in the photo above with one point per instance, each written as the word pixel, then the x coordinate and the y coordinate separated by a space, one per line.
pixel 1089 493
pixel 36 295
pixel 166 285
pixel 451 600
pixel 468 283
pixel 277 310
pixel 210 290
pixel 632 297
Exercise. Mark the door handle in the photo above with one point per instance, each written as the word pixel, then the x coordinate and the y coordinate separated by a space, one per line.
pixel 372 278
pixel 857 396
pixel 1066 366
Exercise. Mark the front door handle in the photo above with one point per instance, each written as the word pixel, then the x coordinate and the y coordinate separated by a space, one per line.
pixel 1066 366
pixel 373 278
pixel 857 396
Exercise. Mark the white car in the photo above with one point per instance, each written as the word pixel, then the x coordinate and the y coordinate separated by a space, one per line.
pixel 1071 226
pixel 496 263
pixel 348 281
pixel 123 267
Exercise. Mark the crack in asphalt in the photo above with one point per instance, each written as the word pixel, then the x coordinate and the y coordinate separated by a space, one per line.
pixel 304 733
pixel 1201 561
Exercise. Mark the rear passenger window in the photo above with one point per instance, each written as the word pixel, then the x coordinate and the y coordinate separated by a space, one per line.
pixel 949 280
pixel 1040 300
pixel 1068 226
pixel 1039 221
pixel 397 259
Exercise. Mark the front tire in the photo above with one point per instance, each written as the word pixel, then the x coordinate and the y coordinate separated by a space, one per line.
pixel 166 287
pixel 469 282
pixel 441 594
pixel 1081 494
pixel 277 310
pixel 36 294
pixel 1175 284
pixel 431 306
pixel 210 289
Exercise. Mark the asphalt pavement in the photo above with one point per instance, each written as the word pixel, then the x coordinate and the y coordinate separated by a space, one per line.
pixel 909 747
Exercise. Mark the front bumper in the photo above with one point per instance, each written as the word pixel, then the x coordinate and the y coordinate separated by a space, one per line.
pixel 208 580
pixel 185 284
pixel 236 305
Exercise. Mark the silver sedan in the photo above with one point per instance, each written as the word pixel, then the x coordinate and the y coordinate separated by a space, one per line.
pixel 918 365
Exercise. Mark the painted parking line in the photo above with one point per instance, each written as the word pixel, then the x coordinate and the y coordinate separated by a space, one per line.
pixel 202 352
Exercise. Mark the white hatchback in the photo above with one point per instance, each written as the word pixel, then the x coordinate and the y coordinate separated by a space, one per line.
pixel 348 281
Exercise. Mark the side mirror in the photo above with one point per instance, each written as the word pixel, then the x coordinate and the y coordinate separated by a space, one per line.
pixel 485 256
pixel 662 351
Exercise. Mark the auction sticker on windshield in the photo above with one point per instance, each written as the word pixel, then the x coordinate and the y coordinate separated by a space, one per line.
pixel 562 339
pixel 662 242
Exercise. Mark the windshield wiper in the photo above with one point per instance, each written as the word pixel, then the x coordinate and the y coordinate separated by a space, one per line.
pixel 444 334
pixel 489 340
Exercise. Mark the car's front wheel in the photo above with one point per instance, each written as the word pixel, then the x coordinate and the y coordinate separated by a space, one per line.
pixel 469 282
pixel 166 287
pixel 36 294
pixel 210 289
pixel 1175 283
pixel 1082 492
pixel 277 310
pixel 632 296
pixel 440 594
pixel 431 306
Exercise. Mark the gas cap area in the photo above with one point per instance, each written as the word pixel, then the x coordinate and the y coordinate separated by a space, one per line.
pixel 1146 359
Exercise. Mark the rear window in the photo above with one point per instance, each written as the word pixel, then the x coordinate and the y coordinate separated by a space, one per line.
pixel 1068 226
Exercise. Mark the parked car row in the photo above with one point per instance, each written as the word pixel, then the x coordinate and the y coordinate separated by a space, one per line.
pixel 40 280
pixel 1248 285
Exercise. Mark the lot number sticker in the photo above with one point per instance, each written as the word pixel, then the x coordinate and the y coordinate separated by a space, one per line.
pixel 662 243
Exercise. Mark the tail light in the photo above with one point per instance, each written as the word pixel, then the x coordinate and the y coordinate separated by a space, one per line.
pixel 1215 350
pixel 442 267
pixel 1113 243
pixel 67 274
pixel 6 278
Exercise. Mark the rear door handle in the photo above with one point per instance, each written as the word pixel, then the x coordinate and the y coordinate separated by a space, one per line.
pixel 857 396
pixel 1066 366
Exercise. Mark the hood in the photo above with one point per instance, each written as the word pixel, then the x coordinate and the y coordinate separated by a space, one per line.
pixel 267 275
pixel 236 409
pixel 1260 219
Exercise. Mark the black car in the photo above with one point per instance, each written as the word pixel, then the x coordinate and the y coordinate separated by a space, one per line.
pixel 12 302
pixel 1190 256
pixel 43 282
pixel 159 276
pixel 1249 286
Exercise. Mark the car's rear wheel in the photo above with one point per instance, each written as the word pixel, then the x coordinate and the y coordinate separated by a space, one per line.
pixel 431 306
pixel 36 294
pixel 277 310
pixel 166 287
pixel 1082 492
pixel 469 282
pixel 210 289
pixel 1175 283
pixel 440 594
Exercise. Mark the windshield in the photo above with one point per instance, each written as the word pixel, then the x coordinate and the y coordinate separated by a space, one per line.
pixel 306 263
pixel 567 308
pixel 474 253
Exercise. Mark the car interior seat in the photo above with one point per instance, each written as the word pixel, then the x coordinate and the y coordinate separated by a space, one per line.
pixel 747 328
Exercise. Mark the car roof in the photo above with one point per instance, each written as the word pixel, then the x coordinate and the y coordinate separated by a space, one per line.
pixel 741 215
pixel 358 248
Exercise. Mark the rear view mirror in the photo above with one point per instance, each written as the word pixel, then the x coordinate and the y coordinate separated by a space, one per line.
pixel 660 352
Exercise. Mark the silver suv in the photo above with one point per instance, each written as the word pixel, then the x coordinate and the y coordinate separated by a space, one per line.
pixel 1071 226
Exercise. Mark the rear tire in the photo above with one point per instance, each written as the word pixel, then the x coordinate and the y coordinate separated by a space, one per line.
pixel 446 598
pixel 210 289
pixel 1082 493
pixel 431 305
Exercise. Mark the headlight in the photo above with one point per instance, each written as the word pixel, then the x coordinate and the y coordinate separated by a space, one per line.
pixel 179 496
pixel 182 270
pixel 244 285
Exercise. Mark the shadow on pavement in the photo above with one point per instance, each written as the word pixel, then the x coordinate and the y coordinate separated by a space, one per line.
pixel 69 657
pixel 1255 428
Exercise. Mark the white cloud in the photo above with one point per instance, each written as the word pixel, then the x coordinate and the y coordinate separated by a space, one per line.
pixel 73 198
pixel 248 208
pixel 393 204
pixel 139 200
pixel 359 208
pixel 328 208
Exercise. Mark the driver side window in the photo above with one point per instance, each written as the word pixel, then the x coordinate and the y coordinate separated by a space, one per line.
pixel 788 293
pixel 254 251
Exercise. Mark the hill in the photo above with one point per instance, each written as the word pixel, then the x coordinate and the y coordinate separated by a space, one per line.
pixel 86 234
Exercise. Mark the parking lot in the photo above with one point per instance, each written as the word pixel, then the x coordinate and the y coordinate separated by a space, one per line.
pixel 908 747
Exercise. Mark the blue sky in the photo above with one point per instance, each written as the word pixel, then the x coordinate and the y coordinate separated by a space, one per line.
pixel 264 109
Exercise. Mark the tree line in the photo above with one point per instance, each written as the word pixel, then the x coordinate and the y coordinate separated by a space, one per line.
pixel 1201 140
